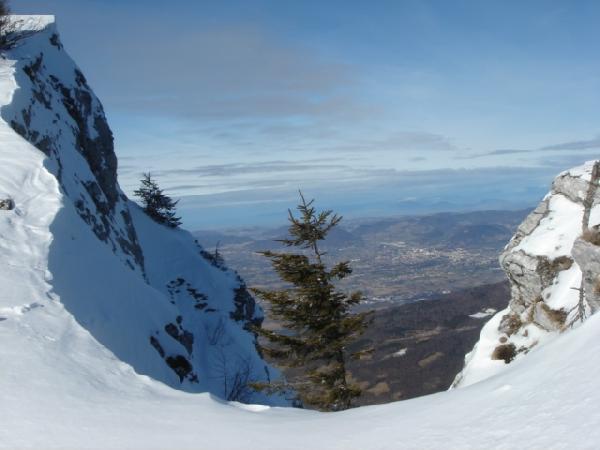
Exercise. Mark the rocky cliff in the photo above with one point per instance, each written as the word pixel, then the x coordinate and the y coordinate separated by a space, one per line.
pixel 148 294
pixel 553 265
pixel 56 111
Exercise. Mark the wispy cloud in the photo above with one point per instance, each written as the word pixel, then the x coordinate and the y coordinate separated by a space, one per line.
pixel 500 152
pixel 567 160
pixel 226 100
pixel 576 145
pixel 381 192
pixel 225 73
pixel 261 168
pixel 584 144
pixel 398 141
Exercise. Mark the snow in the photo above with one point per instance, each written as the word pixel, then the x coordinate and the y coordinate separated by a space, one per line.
pixel 33 22
pixel 400 352
pixel 557 232
pixel 548 400
pixel 76 363
pixel 584 171
pixel 483 314
pixel 564 293
pixel 478 364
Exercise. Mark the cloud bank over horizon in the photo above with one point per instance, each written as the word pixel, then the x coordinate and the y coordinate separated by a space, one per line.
pixel 240 104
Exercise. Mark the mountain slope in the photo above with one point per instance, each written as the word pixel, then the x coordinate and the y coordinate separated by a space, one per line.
pixel 79 252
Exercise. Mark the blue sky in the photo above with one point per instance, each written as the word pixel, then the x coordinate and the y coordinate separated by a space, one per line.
pixel 374 108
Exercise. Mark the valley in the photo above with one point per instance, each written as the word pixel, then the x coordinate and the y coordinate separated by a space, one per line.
pixel 394 260
pixel 433 281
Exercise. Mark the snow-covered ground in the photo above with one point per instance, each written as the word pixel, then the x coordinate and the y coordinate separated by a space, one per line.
pixel 74 328
pixel 61 389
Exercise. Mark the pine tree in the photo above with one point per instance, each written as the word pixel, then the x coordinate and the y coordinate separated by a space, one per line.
pixel 316 317
pixel 157 205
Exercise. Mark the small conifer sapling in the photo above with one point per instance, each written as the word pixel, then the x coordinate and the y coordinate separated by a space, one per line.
pixel 159 206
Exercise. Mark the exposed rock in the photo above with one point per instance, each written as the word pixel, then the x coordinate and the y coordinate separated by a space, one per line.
pixel 156 344
pixel 180 286
pixel 7 204
pixel 572 187
pixel 180 365
pixel 430 359
pixel 181 335
pixel 245 307
pixel 587 256
pixel 547 318
pixel 592 235
pixel 526 283
pixel 547 263
pixel 530 275
pixel 510 324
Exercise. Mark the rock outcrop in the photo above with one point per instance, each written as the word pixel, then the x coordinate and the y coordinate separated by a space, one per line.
pixel 544 262
pixel 7 204
pixel 587 257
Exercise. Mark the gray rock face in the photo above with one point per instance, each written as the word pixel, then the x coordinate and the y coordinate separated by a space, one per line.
pixel 587 256
pixel 7 204
pixel 530 223
pixel 531 274
pixel 547 262
pixel 572 187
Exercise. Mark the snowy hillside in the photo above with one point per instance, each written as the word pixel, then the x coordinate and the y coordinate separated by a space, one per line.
pixel 81 258
pixel 111 325
pixel 547 400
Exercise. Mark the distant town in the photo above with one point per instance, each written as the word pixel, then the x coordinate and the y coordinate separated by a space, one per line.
pixel 394 260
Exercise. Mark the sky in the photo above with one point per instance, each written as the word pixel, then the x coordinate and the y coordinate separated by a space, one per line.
pixel 373 108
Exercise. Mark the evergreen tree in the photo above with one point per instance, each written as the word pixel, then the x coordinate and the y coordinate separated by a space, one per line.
pixel 157 205
pixel 316 317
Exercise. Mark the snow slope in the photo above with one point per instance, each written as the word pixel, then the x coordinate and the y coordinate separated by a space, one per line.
pixel 545 401
pixel 78 370
pixel 87 263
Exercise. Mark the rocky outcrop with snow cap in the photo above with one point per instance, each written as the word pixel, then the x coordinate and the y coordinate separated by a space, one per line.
pixel 544 262
pixel 82 263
